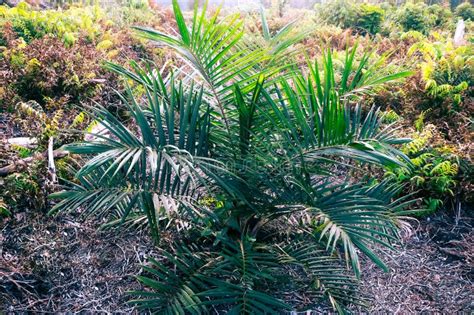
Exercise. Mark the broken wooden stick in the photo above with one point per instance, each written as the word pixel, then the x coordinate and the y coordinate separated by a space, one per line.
pixel 12 168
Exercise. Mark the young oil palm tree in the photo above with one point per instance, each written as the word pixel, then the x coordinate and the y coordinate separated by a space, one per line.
pixel 269 145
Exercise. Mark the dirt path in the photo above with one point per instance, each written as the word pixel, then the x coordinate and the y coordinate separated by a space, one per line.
pixel 58 264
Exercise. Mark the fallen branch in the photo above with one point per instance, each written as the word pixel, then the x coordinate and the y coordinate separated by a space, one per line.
pixel 15 166
pixel 29 143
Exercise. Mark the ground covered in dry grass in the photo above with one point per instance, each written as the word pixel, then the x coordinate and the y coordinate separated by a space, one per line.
pixel 52 264
pixel 433 273
pixel 58 264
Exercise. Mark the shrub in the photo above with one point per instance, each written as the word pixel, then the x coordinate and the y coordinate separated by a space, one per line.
pixel 231 128
pixel 442 16
pixel 138 4
pixel 412 36
pixel 342 13
pixel 22 191
pixel 51 67
pixel 53 56
pixel 47 70
pixel 105 45
pixel 369 18
pixel 134 11
pixel 365 18
pixel 415 16
pixel 465 11
pixel 52 73
pixel 390 116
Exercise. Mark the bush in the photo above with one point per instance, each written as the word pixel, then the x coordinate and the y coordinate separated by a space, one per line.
pixel 22 191
pixel 415 16
pixel 412 36
pixel 342 13
pixel 390 116
pixel 364 18
pixel 46 71
pixel 442 16
pixel 51 68
pixel 465 11
pixel 46 65
pixel 369 18
pixel 53 56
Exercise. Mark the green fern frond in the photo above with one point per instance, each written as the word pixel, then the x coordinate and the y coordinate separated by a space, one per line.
pixel 445 168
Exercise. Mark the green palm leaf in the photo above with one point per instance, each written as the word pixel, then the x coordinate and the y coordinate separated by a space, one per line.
pixel 356 217
pixel 327 278
pixel 175 284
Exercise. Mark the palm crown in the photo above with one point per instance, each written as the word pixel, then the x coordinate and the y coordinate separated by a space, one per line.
pixel 239 122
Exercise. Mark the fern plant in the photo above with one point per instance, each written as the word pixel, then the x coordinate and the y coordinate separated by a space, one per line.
pixel 30 24
pixel 446 70
pixel 434 170
pixel 261 144
pixel 43 125
pixel 365 18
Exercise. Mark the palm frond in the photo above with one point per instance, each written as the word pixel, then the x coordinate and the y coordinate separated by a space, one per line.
pixel 164 160
pixel 246 268
pixel 355 79
pixel 175 283
pixel 311 132
pixel 357 217
pixel 328 279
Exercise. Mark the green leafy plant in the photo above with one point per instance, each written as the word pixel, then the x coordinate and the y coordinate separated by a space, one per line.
pixel 138 4
pixel 434 170
pixel 131 12
pixel 365 18
pixel 22 151
pixel 390 117
pixel 342 13
pixel 369 18
pixel 4 212
pixel 266 141
pixel 442 15
pixel 415 16
pixel 412 36
pixel 21 191
pixel 66 25
pixel 40 73
pixel 465 11
pixel 446 70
